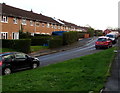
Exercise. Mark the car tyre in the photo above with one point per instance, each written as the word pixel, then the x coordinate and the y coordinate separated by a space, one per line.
pixel 7 71
pixel 34 65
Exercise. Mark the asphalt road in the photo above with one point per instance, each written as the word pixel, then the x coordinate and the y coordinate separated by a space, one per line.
pixel 69 54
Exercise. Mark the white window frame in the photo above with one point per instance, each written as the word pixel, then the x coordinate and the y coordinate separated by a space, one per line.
pixel 48 25
pixel 5 33
pixel 51 25
pixel 16 35
pixel 43 25
pixel 15 20
pixel 37 24
pixel 31 23
pixel 58 27
pixel 24 22
pixel 4 19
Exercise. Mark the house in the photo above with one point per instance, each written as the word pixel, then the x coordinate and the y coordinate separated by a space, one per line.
pixel 107 31
pixel 13 19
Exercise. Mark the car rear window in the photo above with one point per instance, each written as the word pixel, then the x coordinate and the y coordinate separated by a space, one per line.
pixel 101 39
pixel 111 36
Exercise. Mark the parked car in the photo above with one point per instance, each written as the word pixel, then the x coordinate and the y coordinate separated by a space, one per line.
pixel 113 36
pixel 103 42
pixel 14 61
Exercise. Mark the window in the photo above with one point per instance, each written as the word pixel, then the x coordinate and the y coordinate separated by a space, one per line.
pixel 15 35
pixel 37 24
pixel 15 20
pixel 48 25
pixel 4 19
pixel 23 21
pixel 54 26
pixel 4 35
pixel 61 27
pixel 58 27
pixel 51 26
pixel 43 24
pixel 31 23
pixel 20 56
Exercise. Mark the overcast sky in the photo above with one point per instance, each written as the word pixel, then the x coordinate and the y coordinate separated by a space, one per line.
pixel 99 14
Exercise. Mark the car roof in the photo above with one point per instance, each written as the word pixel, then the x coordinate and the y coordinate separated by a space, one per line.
pixel 7 53
pixel 104 37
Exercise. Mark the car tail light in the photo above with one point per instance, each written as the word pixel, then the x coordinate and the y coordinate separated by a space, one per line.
pixel 96 42
pixel 0 63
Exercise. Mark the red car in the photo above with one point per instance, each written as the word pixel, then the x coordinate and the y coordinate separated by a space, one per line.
pixel 103 42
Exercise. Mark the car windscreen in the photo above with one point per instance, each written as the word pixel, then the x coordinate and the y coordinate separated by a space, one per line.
pixel 111 36
pixel 101 39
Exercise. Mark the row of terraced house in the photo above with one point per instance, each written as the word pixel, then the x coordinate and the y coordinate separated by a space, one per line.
pixel 12 20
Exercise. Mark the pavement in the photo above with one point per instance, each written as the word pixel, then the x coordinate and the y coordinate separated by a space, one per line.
pixel 80 43
pixel 113 83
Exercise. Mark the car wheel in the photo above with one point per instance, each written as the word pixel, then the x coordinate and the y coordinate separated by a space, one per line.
pixel 34 65
pixel 7 71
pixel 96 48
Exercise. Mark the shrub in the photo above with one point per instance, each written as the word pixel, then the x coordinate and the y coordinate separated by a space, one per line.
pixel 55 42
pixel 39 40
pixel 21 45
pixel 91 32
pixel 70 37
pixel 81 34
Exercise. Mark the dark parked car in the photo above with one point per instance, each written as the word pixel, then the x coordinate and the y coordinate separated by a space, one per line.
pixel 13 61
pixel 103 42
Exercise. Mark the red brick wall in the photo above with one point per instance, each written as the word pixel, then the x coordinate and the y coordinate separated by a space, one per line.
pixel 11 27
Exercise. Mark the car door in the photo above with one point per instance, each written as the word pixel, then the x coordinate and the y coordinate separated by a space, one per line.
pixel 22 60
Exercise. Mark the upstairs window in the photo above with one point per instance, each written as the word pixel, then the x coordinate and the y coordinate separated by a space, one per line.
pixel 37 24
pixel 31 23
pixel 43 24
pixel 23 21
pixel 15 21
pixel 4 19
pixel 51 26
pixel 58 27
pixel 48 25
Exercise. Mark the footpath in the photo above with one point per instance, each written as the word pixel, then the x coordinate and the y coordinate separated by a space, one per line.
pixel 113 83
pixel 80 43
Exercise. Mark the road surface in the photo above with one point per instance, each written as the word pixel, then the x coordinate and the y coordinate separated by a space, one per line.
pixel 69 54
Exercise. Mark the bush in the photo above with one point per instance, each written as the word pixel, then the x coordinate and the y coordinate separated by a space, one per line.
pixel 39 40
pixel 70 37
pixel 55 42
pixel 81 34
pixel 91 32
pixel 21 45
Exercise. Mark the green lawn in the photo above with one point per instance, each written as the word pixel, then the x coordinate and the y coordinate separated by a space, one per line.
pixel 6 50
pixel 83 74
pixel 37 48
pixel 33 49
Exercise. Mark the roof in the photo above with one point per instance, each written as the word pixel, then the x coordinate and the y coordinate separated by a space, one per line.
pixel 6 53
pixel 103 37
pixel 20 13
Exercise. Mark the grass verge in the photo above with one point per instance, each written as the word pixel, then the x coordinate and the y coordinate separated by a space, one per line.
pixel 6 50
pixel 37 48
pixel 83 74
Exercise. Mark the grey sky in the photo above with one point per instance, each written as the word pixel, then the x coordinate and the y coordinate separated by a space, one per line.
pixel 99 14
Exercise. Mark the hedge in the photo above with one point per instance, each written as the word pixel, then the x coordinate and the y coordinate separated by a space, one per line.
pixel 39 40
pixel 70 37
pixel 55 42
pixel 21 45
pixel 81 34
